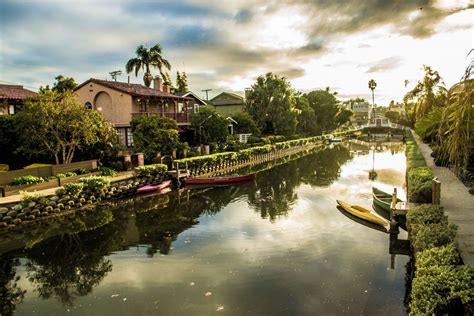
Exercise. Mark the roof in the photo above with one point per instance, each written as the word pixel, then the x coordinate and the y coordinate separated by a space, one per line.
pixel 191 94
pixel 133 89
pixel 233 99
pixel 15 92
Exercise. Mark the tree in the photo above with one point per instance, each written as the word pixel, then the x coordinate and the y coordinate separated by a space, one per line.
pixel 271 102
pixel 393 116
pixel 210 127
pixel 61 85
pixel 146 59
pixel 154 134
pixel 245 124
pixel 326 107
pixel 306 117
pixel 428 93
pixel 59 125
pixel 181 82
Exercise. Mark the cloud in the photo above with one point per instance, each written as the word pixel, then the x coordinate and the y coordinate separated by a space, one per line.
pixel 384 64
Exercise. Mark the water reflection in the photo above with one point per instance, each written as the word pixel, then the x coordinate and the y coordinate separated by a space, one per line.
pixel 296 259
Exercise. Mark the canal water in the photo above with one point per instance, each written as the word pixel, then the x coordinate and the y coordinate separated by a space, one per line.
pixel 278 246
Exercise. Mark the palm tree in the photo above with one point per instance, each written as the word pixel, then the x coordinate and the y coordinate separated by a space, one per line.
pixel 372 86
pixel 147 58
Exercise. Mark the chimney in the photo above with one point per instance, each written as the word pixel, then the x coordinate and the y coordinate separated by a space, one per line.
pixel 157 83
pixel 166 88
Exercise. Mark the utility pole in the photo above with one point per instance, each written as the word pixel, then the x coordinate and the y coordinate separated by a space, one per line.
pixel 207 96
pixel 115 73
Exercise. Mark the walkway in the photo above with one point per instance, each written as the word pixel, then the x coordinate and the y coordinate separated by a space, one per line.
pixel 458 204
pixel 48 192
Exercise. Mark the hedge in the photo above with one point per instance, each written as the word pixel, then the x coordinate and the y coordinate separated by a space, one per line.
pixel 155 170
pixel 420 185
pixel 214 161
pixel 439 278
pixel 415 158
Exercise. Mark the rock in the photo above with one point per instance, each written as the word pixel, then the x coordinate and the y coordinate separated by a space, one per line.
pixel 54 198
pixel 32 204
pixel 11 213
pixel 26 210
pixel 21 215
pixel 3 224
pixel 52 203
pixel 31 217
pixel 16 221
pixel 17 207
pixel 3 211
pixel 35 212
pixel 7 219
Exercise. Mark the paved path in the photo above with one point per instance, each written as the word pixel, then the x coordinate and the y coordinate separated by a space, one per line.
pixel 457 201
pixel 48 192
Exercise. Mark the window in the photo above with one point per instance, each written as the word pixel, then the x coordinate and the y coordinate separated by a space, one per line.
pixel 122 135
pixel 11 109
pixel 89 105
pixel 129 137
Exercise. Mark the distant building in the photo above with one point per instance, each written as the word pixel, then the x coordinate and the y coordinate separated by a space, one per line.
pixel 361 109
pixel 11 96
pixel 228 103
pixel 120 101
pixel 196 103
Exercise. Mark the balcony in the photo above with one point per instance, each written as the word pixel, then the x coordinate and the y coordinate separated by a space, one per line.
pixel 180 118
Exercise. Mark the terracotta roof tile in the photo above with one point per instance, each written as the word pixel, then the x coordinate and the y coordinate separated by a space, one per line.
pixel 15 92
pixel 133 89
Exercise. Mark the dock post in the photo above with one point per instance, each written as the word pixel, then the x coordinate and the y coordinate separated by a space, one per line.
pixel 393 206
pixel 436 194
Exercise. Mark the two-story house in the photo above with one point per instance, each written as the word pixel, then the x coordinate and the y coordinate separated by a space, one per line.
pixel 120 101
pixel 11 96
pixel 228 103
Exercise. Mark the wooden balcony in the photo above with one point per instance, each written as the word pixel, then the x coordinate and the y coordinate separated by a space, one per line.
pixel 180 118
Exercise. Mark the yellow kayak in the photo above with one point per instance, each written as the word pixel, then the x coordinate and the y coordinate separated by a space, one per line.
pixel 362 213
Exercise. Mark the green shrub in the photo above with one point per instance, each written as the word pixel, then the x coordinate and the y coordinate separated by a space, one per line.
pixel 425 214
pixel 105 171
pixel 433 235
pixel 95 183
pixel 151 170
pixel 27 180
pixel 80 171
pixel 438 256
pixel 434 288
pixel 72 189
pixel 66 174
pixel 27 197
pixel 420 185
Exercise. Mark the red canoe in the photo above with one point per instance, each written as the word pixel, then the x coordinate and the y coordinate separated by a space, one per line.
pixel 221 180
pixel 153 188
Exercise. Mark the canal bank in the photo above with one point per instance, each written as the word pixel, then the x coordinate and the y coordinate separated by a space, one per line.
pixel 457 202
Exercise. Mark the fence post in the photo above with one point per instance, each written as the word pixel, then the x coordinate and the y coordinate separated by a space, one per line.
pixel 436 194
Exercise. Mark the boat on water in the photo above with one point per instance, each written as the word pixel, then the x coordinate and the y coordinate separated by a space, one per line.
pixel 230 179
pixel 383 199
pixel 154 188
pixel 363 213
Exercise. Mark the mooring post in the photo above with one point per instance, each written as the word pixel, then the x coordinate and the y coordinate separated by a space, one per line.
pixel 393 206
pixel 436 194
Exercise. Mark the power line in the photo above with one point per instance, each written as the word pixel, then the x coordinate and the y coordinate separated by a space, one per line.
pixel 207 96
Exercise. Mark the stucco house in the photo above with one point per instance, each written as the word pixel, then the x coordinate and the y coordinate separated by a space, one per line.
pixel 228 103
pixel 362 111
pixel 120 101
pixel 11 96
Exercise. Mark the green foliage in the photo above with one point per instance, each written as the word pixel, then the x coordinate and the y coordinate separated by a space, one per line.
pixel 326 108
pixel 271 102
pixel 425 214
pixel 393 116
pixel 434 235
pixel 154 134
pixel 95 183
pixel 420 185
pixel 273 139
pixel 147 58
pixel 105 171
pixel 71 189
pixel 414 156
pixel 210 127
pixel 62 84
pixel 306 117
pixel 434 287
pixel 80 171
pixel 181 82
pixel 245 124
pixel 27 180
pixel 438 256
pixel 428 126
pixel 156 170
pixel 57 124
pixel 65 175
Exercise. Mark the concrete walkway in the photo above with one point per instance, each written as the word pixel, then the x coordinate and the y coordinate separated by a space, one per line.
pixel 457 201
pixel 48 192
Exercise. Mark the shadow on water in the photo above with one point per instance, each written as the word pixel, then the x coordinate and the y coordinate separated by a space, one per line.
pixel 68 260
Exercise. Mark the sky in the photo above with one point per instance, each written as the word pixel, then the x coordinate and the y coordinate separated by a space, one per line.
pixel 226 45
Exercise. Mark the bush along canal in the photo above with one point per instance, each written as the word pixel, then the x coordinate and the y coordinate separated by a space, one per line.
pixel 276 246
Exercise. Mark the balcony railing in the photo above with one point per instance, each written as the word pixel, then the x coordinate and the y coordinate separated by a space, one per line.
pixel 180 118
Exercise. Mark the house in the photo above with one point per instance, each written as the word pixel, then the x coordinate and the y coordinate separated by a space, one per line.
pixel 362 110
pixel 228 103
pixel 195 104
pixel 119 102
pixel 11 96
